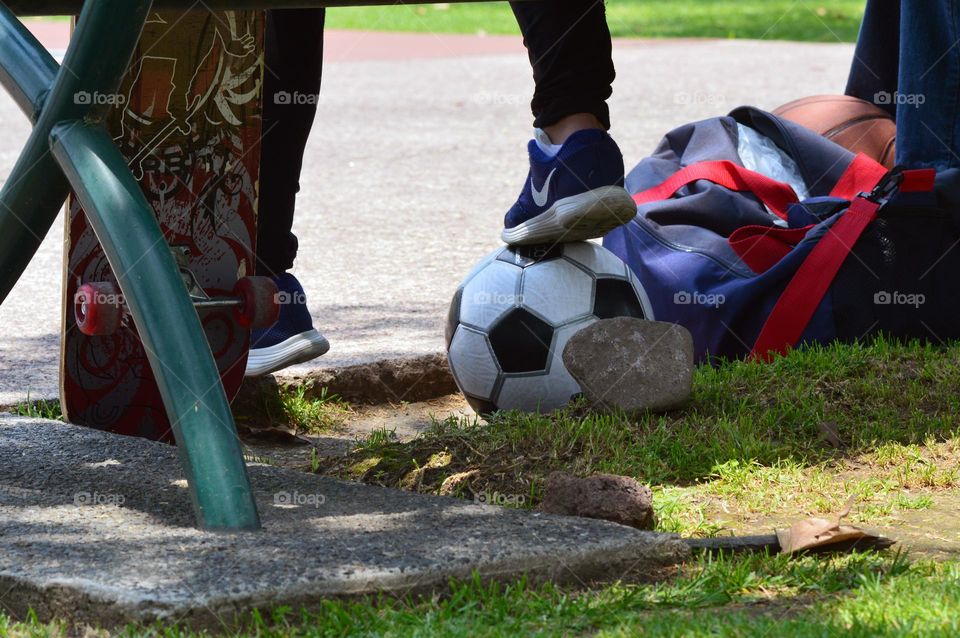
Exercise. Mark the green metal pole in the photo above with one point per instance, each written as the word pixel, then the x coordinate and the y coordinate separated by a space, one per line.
pixel 100 50
pixel 168 324
pixel 98 55
pixel 27 70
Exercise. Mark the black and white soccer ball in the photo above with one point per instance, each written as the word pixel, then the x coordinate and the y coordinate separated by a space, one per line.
pixel 514 313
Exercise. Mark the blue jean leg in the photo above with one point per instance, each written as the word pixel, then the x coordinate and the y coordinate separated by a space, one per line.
pixel 928 130
pixel 907 62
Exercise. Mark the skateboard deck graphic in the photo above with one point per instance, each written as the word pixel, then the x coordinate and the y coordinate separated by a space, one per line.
pixel 187 119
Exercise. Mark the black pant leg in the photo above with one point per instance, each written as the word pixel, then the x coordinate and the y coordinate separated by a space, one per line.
pixel 571 53
pixel 291 86
pixel 876 60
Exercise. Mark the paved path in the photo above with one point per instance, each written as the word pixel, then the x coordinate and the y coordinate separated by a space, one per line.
pixel 411 167
pixel 98 528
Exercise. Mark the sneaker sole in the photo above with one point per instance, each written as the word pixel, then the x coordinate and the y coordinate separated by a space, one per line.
pixel 297 349
pixel 585 216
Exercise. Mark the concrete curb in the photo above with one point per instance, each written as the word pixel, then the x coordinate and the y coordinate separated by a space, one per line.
pixel 103 608
pixel 98 528
pixel 389 381
pixel 406 379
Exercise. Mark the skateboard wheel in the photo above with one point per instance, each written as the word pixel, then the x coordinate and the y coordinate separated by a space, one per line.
pixel 260 306
pixel 98 308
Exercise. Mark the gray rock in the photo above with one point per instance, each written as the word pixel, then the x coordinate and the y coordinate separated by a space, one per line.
pixel 632 364
pixel 620 499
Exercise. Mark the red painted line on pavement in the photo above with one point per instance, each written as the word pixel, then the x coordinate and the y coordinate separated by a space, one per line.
pixel 354 46
pixel 357 46
pixel 349 46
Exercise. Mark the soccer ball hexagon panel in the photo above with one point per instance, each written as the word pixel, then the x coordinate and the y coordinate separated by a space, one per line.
pixel 514 313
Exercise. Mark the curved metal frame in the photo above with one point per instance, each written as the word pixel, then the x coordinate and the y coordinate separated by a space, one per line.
pixel 70 148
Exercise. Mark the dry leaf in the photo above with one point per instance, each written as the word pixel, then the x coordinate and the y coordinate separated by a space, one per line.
pixel 449 483
pixel 817 532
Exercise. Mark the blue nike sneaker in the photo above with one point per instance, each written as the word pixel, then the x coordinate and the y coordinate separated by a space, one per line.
pixel 292 339
pixel 576 195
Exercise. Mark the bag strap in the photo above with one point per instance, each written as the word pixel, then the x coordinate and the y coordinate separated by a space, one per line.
pixel 776 195
pixel 862 175
pixel 802 296
pixel 761 247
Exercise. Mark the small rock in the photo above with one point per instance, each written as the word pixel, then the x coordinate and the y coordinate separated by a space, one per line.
pixel 620 499
pixel 632 364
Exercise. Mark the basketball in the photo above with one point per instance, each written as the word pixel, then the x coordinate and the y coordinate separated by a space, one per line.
pixel 855 124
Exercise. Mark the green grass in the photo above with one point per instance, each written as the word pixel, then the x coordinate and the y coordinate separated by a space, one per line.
pixel 749 441
pixel 40 409
pixel 313 412
pixel 815 21
pixel 288 409
pixel 857 595
pixel 748 446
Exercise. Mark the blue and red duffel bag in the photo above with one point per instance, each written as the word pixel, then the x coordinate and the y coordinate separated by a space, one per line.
pixel 759 235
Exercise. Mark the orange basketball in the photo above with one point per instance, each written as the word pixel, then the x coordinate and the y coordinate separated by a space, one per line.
pixel 855 124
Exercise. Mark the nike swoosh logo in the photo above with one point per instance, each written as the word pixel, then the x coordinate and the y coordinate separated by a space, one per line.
pixel 540 196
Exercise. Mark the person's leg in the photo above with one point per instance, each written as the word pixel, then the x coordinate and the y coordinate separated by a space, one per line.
pixel 571 53
pixel 876 60
pixel 293 61
pixel 928 98
pixel 575 189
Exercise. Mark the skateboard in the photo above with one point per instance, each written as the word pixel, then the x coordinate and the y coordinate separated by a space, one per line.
pixel 188 121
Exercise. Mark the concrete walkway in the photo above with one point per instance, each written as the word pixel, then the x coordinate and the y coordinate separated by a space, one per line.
pixel 413 163
pixel 98 528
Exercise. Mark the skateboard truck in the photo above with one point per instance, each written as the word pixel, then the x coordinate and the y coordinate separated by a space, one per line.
pixel 99 306
pixel 255 300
